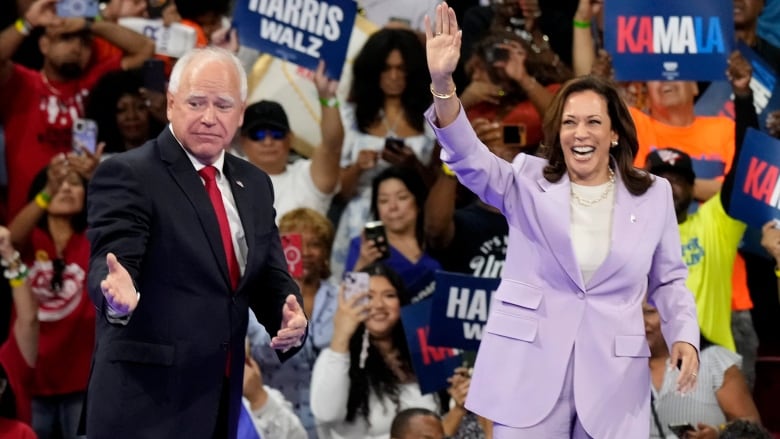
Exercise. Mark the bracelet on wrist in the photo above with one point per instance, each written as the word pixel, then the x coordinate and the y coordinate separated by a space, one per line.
pixel 18 282
pixel 18 272
pixel 42 200
pixel 23 26
pixel 447 170
pixel 441 95
pixel 777 272
pixel 332 102
pixel 581 24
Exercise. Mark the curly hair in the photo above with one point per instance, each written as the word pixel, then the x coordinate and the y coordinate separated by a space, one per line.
pixel 637 181
pixel 102 102
pixel 377 375
pixel 365 91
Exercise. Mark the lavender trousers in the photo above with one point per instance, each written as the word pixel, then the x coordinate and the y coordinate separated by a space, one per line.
pixel 561 423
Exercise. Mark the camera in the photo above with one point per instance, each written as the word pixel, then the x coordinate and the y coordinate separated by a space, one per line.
pixel 496 53
pixel 77 8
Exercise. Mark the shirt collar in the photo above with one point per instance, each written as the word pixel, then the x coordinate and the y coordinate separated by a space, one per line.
pixel 218 163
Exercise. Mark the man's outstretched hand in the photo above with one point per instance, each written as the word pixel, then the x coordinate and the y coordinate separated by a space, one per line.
pixel 118 288
pixel 293 327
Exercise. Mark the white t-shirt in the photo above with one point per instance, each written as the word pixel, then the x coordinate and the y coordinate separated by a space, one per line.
pixel 294 188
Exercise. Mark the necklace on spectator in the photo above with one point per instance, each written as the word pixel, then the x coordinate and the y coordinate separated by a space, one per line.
pixel 391 129
pixel 588 203
pixel 48 85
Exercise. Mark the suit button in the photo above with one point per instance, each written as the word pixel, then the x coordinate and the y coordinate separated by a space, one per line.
pixel 580 295
pixel 224 345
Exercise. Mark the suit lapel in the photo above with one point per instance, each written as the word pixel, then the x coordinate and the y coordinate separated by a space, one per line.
pixel 555 212
pixel 624 226
pixel 243 199
pixel 182 171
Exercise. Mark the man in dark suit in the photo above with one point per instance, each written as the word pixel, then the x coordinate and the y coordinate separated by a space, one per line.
pixel 183 242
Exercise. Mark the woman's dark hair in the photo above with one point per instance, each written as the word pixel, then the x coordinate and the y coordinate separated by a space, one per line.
pixel 369 64
pixel 414 183
pixel 77 221
pixel 637 181
pixel 376 376
pixel 102 102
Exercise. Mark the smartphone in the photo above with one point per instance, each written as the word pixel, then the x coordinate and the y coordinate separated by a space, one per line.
pixel 375 231
pixel 514 134
pixel 356 282
pixel 77 8
pixel 154 75
pixel 681 429
pixel 292 246
pixel 84 135
pixel 394 145
pixel 496 53
pixel 154 8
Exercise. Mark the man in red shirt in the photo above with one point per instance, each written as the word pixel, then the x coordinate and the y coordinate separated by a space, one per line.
pixel 39 106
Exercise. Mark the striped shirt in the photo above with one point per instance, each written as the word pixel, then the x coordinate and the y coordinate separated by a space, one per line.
pixel 700 405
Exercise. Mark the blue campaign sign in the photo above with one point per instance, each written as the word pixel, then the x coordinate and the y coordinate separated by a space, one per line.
pixel 755 198
pixel 432 364
pixel 716 100
pixel 669 39
pixel 301 32
pixel 460 309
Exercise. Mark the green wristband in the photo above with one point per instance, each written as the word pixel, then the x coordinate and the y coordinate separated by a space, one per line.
pixel 581 24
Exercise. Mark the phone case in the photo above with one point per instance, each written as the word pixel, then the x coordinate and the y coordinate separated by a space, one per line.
pixel 355 282
pixel 77 8
pixel 373 231
pixel 292 245
pixel 84 135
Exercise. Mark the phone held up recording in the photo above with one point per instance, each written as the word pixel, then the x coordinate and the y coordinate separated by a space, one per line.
pixel 375 231
pixel 356 282
pixel 84 135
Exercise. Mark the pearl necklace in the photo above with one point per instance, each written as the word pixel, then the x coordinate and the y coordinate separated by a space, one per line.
pixel 588 203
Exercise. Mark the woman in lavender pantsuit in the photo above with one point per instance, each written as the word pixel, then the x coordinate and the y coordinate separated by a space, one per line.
pixel 564 352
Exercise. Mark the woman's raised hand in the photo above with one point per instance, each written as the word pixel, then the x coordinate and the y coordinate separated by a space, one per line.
pixel 443 41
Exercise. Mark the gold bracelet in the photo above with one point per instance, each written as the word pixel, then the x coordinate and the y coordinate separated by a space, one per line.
pixel 17 282
pixel 443 96
pixel 777 272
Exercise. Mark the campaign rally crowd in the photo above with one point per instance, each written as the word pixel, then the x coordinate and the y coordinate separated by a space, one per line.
pixel 80 92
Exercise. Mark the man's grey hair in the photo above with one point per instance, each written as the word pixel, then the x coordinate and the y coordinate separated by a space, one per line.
pixel 208 53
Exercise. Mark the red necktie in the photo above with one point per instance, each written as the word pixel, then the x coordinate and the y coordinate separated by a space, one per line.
pixel 209 174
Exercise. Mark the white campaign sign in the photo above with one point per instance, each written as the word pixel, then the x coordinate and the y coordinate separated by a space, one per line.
pixel 174 40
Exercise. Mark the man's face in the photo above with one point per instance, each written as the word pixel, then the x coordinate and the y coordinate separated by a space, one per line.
pixel 746 12
pixel 67 54
pixel 668 94
pixel 207 109
pixel 267 148
pixel 423 427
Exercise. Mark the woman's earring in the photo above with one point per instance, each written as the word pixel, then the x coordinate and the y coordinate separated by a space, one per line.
pixel 614 143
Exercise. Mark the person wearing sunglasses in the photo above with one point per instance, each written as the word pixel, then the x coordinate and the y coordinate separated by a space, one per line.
pixel 266 140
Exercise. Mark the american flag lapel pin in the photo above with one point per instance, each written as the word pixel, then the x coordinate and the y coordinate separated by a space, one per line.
pixel 238 182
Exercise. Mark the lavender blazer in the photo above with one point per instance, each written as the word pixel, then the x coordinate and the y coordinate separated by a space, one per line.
pixel 543 311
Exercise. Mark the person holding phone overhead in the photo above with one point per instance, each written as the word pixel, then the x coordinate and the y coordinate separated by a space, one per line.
pixel 563 352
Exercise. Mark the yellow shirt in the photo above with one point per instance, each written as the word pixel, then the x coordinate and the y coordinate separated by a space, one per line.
pixel 709 240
